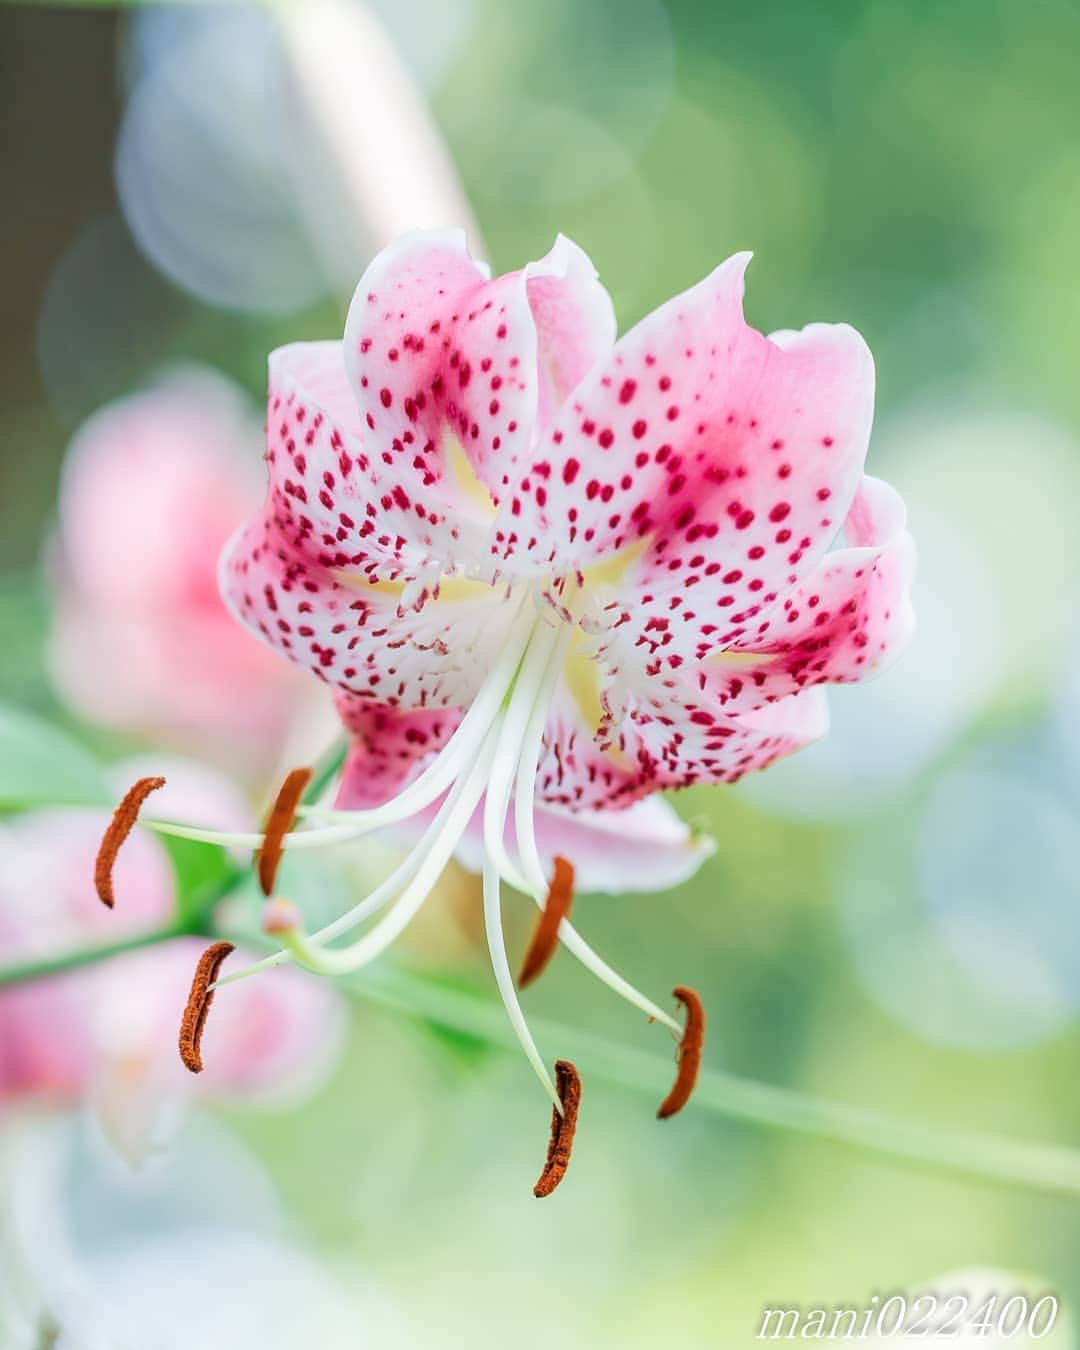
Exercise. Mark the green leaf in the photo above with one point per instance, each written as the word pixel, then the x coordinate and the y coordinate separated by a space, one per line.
pixel 200 871
pixel 40 765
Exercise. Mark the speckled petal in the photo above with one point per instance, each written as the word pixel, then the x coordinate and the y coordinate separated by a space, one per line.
pixel 686 743
pixel 846 622
pixel 359 637
pixel 667 734
pixel 578 769
pixel 329 492
pixel 717 463
pixel 455 374
pixel 388 748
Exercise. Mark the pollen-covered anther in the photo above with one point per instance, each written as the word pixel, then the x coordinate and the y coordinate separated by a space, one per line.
pixel 563 1125
pixel 545 936
pixel 280 916
pixel 689 1053
pixel 121 825
pixel 278 824
pixel 198 1004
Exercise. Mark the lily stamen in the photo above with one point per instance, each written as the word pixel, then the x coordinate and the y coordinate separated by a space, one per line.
pixel 545 936
pixel 491 758
pixel 199 1000
pixel 121 825
pixel 563 1125
pixel 278 824
pixel 509 742
pixel 313 956
pixel 688 1055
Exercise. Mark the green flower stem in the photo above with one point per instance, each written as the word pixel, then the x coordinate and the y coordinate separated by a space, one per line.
pixel 86 956
pixel 983 1157
pixel 963 1153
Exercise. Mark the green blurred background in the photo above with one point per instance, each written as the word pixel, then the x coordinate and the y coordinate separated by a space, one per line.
pixel 889 921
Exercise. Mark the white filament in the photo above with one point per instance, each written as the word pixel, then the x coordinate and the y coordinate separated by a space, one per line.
pixel 536 884
pixel 505 981
pixel 379 898
pixel 457 754
pixel 522 705
pixel 493 754
pixel 344 961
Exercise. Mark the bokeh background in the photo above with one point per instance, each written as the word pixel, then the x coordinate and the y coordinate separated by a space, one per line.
pixel 890 920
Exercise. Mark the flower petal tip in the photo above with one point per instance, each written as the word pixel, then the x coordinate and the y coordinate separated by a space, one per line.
pixel 703 844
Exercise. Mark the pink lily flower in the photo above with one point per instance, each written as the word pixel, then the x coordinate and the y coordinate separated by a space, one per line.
pixel 107 1033
pixel 549 574
pixel 151 648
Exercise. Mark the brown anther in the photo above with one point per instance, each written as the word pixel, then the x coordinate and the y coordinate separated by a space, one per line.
pixel 545 936
pixel 121 825
pixel 278 824
pixel 563 1126
pixel 198 1004
pixel 688 1055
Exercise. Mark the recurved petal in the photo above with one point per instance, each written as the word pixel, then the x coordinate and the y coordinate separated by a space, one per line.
pixel 683 741
pixel 716 462
pixel 331 495
pixel 844 623
pixel 636 737
pixel 455 373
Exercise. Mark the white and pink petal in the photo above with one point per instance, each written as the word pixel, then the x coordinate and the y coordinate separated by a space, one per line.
pixel 684 742
pixel 324 491
pixel 718 463
pixel 388 749
pixel 360 637
pixel 455 373
pixel 645 847
pixel 844 623
pixel 636 741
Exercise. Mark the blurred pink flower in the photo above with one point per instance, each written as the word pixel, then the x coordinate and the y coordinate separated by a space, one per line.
pixel 153 487
pixel 107 1032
